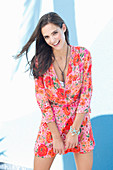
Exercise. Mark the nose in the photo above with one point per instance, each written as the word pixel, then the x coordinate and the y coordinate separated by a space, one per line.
pixel 52 40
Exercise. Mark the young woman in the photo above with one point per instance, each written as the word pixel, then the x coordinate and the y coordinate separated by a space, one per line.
pixel 63 86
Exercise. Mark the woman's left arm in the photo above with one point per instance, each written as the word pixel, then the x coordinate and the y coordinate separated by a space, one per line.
pixel 86 91
pixel 72 141
pixel 84 101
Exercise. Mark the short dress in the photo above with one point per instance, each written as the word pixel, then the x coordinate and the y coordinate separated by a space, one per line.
pixel 61 104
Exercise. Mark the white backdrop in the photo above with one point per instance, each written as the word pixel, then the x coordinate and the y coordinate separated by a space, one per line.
pixel 19 112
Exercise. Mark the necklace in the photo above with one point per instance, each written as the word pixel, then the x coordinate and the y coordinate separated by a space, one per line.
pixel 62 71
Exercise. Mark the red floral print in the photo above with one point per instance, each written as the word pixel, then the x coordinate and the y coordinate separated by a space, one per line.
pixel 48 137
pixel 48 81
pixel 42 150
pixel 51 153
pixel 69 69
pixel 60 93
pixel 61 105
pixel 76 59
pixel 66 110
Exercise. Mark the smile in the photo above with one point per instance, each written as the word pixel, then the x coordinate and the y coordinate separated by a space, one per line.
pixel 56 43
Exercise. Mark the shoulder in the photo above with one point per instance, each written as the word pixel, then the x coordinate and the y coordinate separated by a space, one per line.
pixel 83 52
pixel 80 49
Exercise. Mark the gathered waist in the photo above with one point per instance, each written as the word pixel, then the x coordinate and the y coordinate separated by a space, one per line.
pixel 73 104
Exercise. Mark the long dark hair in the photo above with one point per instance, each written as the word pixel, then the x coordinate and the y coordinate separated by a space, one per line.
pixel 43 55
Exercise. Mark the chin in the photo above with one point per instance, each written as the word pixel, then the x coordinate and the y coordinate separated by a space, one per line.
pixel 59 46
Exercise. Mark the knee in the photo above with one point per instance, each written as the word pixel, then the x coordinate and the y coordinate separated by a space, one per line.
pixel 84 161
pixel 42 163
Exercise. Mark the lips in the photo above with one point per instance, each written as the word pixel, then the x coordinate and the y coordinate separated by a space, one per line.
pixel 57 43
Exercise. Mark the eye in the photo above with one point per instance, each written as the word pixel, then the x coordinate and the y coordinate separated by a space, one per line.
pixel 55 32
pixel 46 37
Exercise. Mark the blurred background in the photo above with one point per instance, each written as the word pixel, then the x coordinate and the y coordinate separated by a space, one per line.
pixel 90 25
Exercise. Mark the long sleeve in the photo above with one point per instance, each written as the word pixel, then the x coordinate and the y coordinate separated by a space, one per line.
pixel 42 100
pixel 86 89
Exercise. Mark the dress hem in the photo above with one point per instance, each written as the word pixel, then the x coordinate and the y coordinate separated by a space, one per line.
pixel 81 152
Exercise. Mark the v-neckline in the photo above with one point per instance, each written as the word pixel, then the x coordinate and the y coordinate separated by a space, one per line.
pixel 67 70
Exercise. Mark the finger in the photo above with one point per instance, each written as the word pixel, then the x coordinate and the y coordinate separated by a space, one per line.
pixel 63 150
pixel 70 145
pixel 73 145
pixel 65 141
pixel 57 151
pixel 67 145
pixel 54 150
pixel 76 144
pixel 60 151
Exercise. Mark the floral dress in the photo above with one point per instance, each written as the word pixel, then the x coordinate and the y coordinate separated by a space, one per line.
pixel 61 104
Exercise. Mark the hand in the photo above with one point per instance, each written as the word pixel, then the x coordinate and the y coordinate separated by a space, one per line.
pixel 71 141
pixel 58 145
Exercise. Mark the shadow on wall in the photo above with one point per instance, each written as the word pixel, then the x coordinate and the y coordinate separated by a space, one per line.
pixel 103 153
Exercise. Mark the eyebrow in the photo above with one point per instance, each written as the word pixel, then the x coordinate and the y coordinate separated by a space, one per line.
pixel 51 33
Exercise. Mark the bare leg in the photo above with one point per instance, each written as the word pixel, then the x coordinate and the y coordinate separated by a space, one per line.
pixel 84 161
pixel 42 163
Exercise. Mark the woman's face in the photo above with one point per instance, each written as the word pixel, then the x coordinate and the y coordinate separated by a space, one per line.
pixel 54 35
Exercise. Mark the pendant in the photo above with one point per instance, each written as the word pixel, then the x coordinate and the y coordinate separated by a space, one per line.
pixel 63 78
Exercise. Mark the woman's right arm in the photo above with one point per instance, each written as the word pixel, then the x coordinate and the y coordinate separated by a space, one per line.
pixel 58 144
pixel 48 116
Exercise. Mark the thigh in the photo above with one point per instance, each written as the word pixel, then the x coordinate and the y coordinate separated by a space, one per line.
pixel 84 161
pixel 42 163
